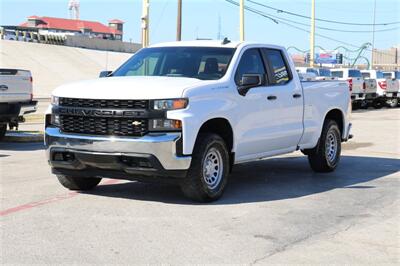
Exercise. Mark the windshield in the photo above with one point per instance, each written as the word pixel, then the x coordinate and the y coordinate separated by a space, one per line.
pixel 204 63
pixel 387 75
pixel 354 73
pixel 323 72
pixel 379 75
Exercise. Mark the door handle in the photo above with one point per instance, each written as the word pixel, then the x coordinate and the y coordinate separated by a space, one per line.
pixel 271 97
pixel 3 87
pixel 296 95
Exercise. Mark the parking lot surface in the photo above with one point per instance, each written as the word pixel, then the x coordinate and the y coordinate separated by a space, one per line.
pixel 274 211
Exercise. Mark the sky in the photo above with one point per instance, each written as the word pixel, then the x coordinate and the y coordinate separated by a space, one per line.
pixel 208 18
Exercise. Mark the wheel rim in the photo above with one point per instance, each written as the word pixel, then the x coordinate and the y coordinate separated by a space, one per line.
pixel 331 147
pixel 212 168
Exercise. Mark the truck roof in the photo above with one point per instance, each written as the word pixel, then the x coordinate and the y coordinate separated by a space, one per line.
pixel 197 43
pixel 210 43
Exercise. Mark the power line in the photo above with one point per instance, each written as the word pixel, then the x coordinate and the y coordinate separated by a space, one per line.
pixel 330 29
pixel 324 20
pixel 260 13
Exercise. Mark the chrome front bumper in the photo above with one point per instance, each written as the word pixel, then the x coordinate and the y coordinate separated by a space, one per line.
pixel 162 146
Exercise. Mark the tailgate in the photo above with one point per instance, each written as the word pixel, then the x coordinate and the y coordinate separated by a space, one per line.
pixel 357 85
pixel 370 86
pixel 392 85
pixel 15 85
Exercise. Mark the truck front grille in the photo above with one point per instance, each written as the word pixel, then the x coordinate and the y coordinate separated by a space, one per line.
pixel 104 125
pixel 113 104
pixel 92 124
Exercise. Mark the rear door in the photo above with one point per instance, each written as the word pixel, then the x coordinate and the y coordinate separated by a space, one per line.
pixel 289 99
pixel 15 85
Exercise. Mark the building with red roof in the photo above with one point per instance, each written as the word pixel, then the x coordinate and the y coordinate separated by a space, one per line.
pixel 94 29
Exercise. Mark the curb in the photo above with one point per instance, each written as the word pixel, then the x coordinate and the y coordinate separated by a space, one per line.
pixel 23 136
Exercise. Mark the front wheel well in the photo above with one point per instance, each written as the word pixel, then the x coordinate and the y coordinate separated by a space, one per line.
pixel 223 128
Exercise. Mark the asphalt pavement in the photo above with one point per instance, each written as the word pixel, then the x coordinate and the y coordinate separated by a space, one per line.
pixel 274 211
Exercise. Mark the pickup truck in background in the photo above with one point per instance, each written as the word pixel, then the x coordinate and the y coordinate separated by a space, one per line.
pixel 187 112
pixel 15 98
pixel 394 76
pixel 356 85
pixel 320 73
pixel 384 88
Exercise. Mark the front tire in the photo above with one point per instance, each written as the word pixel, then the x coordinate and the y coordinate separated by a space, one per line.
pixel 326 155
pixel 78 183
pixel 208 173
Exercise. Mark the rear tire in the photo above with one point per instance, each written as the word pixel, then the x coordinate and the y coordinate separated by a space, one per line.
pixel 356 105
pixel 326 155
pixel 392 103
pixel 208 173
pixel 3 130
pixel 377 104
pixel 78 183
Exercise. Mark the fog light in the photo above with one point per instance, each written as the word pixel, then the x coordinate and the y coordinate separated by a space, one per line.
pixel 55 120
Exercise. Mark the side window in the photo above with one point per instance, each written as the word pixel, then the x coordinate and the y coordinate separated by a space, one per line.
pixel 337 74
pixel 280 71
pixel 250 63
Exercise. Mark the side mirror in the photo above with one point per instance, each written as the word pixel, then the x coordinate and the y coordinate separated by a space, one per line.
pixel 249 81
pixel 104 74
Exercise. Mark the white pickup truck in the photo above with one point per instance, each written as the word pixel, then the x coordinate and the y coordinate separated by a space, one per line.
pixel 188 111
pixel 15 97
pixel 356 85
pixel 384 88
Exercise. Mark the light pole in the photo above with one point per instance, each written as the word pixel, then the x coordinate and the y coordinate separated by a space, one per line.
pixel 312 33
pixel 179 22
pixel 241 14
pixel 373 39
pixel 145 23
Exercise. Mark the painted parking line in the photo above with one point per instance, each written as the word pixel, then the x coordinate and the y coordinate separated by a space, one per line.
pixel 35 204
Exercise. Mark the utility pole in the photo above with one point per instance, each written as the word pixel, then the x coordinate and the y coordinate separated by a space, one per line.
pixel 373 38
pixel 179 22
pixel 312 33
pixel 241 12
pixel 145 23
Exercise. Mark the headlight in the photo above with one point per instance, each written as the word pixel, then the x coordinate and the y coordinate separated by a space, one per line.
pixel 55 100
pixel 170 104
pixel 165 125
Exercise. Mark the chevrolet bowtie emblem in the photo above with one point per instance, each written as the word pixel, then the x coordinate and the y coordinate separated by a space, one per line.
pixel 136 123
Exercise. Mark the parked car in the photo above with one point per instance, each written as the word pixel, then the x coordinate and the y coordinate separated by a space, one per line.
pixel 385 88
pixel 187 112
pixel 320 73
pixel 395 77
pixel 15 98
pixel 356 85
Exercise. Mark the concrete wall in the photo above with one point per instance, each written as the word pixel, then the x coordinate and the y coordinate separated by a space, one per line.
pixel 53 65
pixel 100 44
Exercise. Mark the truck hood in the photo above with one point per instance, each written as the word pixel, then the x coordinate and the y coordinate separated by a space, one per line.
pixel 135 88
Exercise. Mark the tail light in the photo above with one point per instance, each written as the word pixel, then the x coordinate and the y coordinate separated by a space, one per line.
pixel 382 84
pixel 350 81
pixel 31 79
pixel 31 96
pixel 364 86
